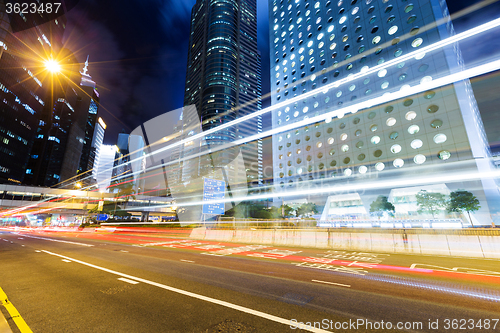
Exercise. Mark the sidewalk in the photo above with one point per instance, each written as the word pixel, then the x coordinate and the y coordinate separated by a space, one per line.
pixel 4 326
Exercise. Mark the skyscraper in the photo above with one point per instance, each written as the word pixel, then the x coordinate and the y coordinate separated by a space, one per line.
pixel 223 75
pixel 94 130
pixel 103 167
pixel 97 140
pixel 322 55
pixel 23 89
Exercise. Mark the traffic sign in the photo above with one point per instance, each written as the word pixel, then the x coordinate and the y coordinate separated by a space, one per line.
pixel 213 190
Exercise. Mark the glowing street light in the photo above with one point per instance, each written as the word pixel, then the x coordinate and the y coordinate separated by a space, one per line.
pixel 52 66
pixel 78 185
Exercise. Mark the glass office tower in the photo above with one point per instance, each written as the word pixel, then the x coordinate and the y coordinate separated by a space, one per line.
pixel 223 75
pixel 322 55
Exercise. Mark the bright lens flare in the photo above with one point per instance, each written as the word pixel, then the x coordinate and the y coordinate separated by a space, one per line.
pixel 52 66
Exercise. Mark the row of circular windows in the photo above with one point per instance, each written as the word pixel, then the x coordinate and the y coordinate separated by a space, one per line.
pixel 398 52
pixel 410 115
pixel 407 102
pixel 291 31
pixel 311 60
pixel 395 149
pixel 317 10
pixel 346 47
pixel 382 73
pixel 384 85
pixel 413 129
pixel 329 2
pixel 363 169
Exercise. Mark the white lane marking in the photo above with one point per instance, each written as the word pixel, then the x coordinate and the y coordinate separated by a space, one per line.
pixel 337 284
pixel 38 251
pixel 66 260
pixel 186 260
pixel 123 251
pixel 20 238
pixel 460 270
pixel 193 295
pixel 22 245
pixel 128 281
pixel 60 241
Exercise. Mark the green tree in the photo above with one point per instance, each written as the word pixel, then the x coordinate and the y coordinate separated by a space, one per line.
pixel 430 202
pixel 381 205
pixel 307 209
pixel 125 190
pixel 107 208
pixel 463 201
pixel 287 210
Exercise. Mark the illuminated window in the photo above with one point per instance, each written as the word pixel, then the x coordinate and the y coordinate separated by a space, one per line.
pixel 410 115
pixel 444 155
pixel 419 159
pixel 416 144
pixel 393 30
pixel 413 129
pixel 440 138
pixel 398 163
pixel 417 42
pixel 395 149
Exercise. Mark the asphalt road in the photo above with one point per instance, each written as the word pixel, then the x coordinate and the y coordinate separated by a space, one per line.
pixel 152 283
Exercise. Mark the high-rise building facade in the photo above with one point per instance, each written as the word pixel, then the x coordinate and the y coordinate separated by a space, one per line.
pixel 103 167
pixel 100 129
pixel 223 79
pixel 24 87
pixel 93 129
pixel 322 55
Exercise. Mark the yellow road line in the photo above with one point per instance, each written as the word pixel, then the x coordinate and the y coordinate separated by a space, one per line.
pixel 21 324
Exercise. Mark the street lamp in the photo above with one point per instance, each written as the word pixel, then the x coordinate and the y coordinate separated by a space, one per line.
pixel 52 66
pixel 78 185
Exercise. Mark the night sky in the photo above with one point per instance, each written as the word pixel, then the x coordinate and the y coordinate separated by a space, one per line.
pixel 138 56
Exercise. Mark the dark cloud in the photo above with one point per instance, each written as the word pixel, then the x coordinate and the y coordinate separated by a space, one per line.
pixel 86 37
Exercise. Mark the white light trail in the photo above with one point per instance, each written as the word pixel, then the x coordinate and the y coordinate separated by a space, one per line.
pixel 378 184
pixel 443 81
